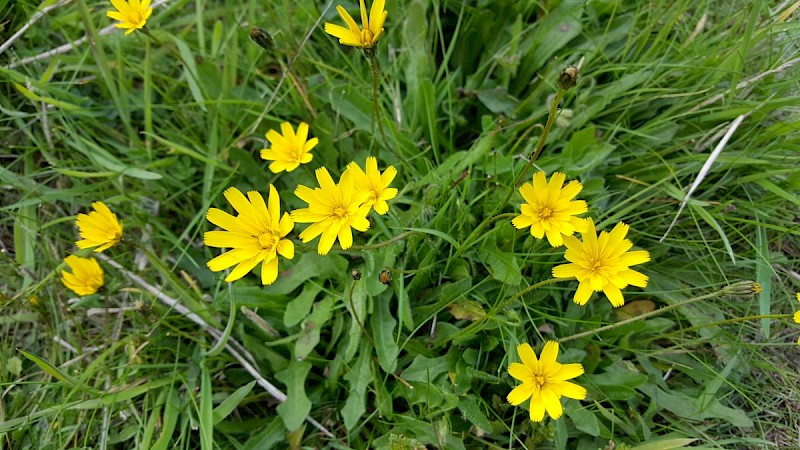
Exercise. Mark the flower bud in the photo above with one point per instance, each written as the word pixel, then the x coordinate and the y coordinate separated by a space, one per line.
pixel 262 38
pixel 568 78
pixel 742 289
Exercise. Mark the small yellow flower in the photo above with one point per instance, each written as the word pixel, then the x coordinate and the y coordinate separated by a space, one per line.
pixel 333 209
pixel 288 150
pixel 602 263
pixel 376 183
pixel 354 36
pixel 255 235
pixel 797 314
pixel 549 209
pixel 100 228
pixel 86 275
pixel 544 381
pixel 132 14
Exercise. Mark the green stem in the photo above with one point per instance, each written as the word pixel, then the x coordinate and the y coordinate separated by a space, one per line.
pixel 376 111
pixel 725 322
pixel 654 313
pixel 551 118
pixel 473 326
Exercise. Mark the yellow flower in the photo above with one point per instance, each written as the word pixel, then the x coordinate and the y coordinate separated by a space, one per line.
pixel 132 14
pixel 288 150
pixel 355 36
pixel 549 209
pixel 86 276
pixel 376 183
pixel 100 228
pixel 544 381
pixel 797 314
pixel 602 263
pixel 333 209
pixel 255 235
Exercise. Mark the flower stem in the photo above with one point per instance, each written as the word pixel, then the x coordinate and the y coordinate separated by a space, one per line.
pixel 551 118
pixel 472 328
pixel 654 313
pixel 376 111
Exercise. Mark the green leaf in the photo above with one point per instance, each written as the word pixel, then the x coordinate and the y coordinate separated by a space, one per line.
pixel 228 405
pixel 502 265
pixel 357 305
pixel 190 72
pixel 383 325
pixel 51 369
pixel 359 377
pixel 763 276
pixel 425 369
pixel 206 427
pixel 309 336
pixel 309 266
pixel 584 420
pixel 298 308
pixel 296 407
pixel 172 410
pixel 665 444
pixel 471 411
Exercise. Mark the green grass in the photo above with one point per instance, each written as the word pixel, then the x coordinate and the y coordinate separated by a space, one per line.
pixel 158 128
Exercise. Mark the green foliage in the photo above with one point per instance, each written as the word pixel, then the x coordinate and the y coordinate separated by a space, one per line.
pixel 158 126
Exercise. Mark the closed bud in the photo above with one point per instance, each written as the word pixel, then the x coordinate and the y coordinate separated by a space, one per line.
pixel 568 78
pixel 742 289
pixel 262 38
pixel 356 274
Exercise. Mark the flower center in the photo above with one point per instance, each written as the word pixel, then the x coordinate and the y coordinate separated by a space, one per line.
pixel 340 212
pixel 545 213
pixel 267 241
pixel 539 379
pixel 366 36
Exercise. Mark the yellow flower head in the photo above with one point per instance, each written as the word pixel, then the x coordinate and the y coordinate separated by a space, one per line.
pixel 255 235
pixel 86 275
pixel 375 182
pixel 354 36
pixel 549 209
pixel 100 228
pixel 544 381
pixel 797 314
pixel 131 14
pixel 602 263
pixel 333 209
pixel 288 150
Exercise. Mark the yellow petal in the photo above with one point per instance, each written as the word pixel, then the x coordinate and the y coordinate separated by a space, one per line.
pixel 269 271
pixel 520 371
pixel 549 353
pixel 519 394
pixel 551 403
pixel 571 390
pixel 527 355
